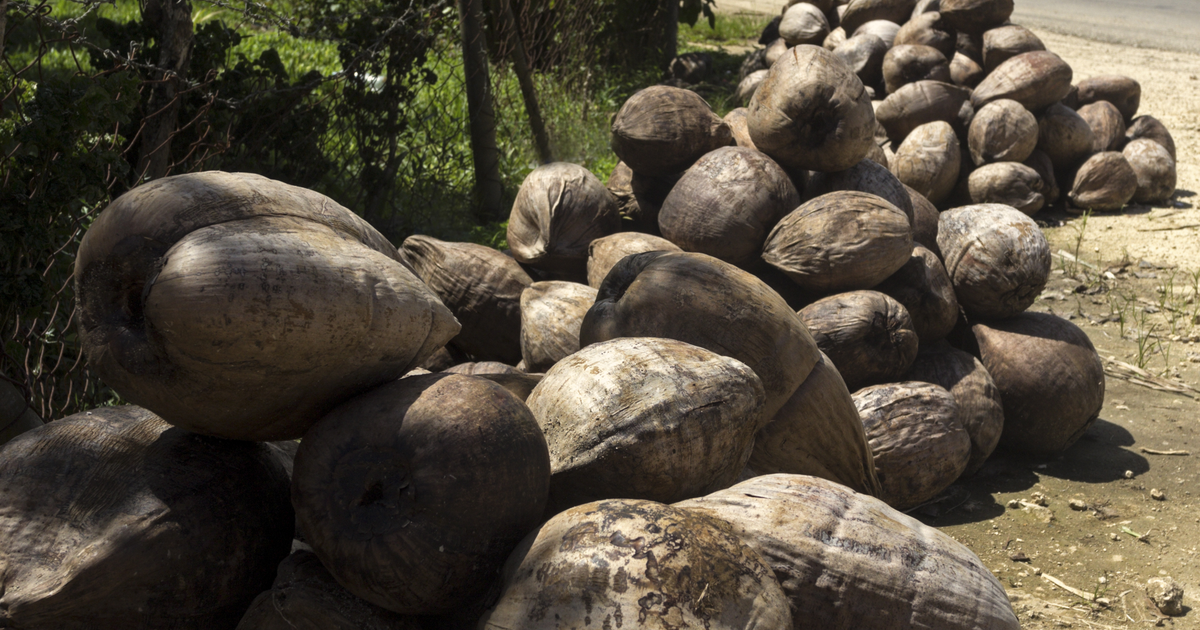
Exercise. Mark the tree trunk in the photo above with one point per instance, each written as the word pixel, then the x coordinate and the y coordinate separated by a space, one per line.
pixel 171 22
pixel 504 14
pixel 3 24
pixel 479 109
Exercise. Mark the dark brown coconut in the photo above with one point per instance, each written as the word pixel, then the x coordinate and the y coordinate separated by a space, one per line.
pixel 812 112
pixel 846 560
pixel 112 518
pixel 1005 42
pixel 927 29
pixel 965 72
pixel 1105 182
pixel 970 45
pixel 1009 183
pixel 560 209
pixel 551 313
pixel 1041 163
pixel 1050 378
pixel 923 287
pixel 928 160
pixel 840 241
pixel 867 335
pixel 1150 127
pixel 803 23
pixel 868 176
pixel 997 258
pixel 979 407
pixel 909 63
pixel 818 432
pixel 709 303
pixel 414 493
pixel 975 16
pixel 925 222
pixel 691 67
pixel 1123 92
pixel 1035 79
pixel 883 29
pixel 726 204
pixel 1108 128
pixel 859 12
pixel 238 306
pixel 923 102
pixel 662 130
pixel 864 54
pixel 736 119
pixel 481 287
pixel 637 564
pixel 605 252
pixel 1154 168
pixel 919 444
pixel 645 418
pixel 745 91
pixel 1065 137
pixel 1002 131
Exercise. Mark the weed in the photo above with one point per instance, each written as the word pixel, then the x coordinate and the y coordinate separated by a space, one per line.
pixel 735 28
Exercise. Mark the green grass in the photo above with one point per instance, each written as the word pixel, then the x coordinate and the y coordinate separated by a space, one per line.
pixel 730 29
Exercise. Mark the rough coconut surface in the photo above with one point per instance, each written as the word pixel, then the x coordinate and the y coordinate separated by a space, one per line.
pixel 559 210
pixel 997 258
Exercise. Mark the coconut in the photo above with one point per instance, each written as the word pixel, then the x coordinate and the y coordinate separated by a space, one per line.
pixel 1108 128
pixel 923 287
pixel 859 12
pixel 920 446
pixel 1123 92
pixel 925 222
pixel 970 45
pixel 1050 378
pixel 812 112
pixel 1005 42
pixel 910 63
pixel 1065 137
pixel 620 184
pixel 1150 127
pixel 1041 163
pixel 640 563
pixel 846 560
pixel 923 102
pixel 113 518
pixel 1154 168
pixel 755 61
pixel 1105 182
pixel 650 192
pixel 965 72
pixel 1035 79
pixel 662 130
pixel 1008 183
pixel 726 204
pixel 483 367
pixel 605 252
pixel 883 29
pixel 864 54
pixel 840 241
pixel 927 29
pixel 975 16
pixel 691 67
pixel 736 119
pixel 868 176
pixel 775 50
pixel 925 6
pixel 928 160
pixel 414 493
pixel 868 335
pixel 979 408
pixel 1002 131
pixel 745 91
pixel 803 23
pixel 997 258
pixel 560 209
pixel 241 307
pixel 835 39
pixel 551 313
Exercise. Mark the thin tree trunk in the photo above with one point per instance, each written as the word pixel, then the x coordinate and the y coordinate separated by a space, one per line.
pixel 671 40
pixel 479 110
pixel 521 64
pixel 3 24
pixel 171 21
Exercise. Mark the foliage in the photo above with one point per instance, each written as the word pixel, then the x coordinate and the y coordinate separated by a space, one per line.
pixel 725 29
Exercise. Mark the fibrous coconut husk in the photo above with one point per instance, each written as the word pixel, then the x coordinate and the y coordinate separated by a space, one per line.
pixel 237 306
pixel 970 45
pixel 846 560
pixel 1105 182
pixel 646 418
pixel 560 209
pixel 909 63
pixel 879 156
pixel 1065 137
pixel 662 130
pixel 726 204
pixel 606 252
pixel 1041 163
pixel 867 335
pixel 1123 92
pixel 965 72
pixel 928 160
pixel 1108 128
pixel 1155 170
pixel 868 176
pixel 775 50
pixel 413 494
pixel 1035 79
pixel 590 566
pixel 445 357
pixel 819 433
pixel 114 519
pixel 924 102
pixel 812 112
pixel 736 119
pixel 835 39
pixel 519 384
pixel 923 287
pixel 975 16
pixel 803 23
pixel 997 258
pixel 1150 127
pixel 864 54
pixel 754 61
pixel 1005 42
pixel 883 29
pixel 859 12
pixel 745 91
pixel 1009 183
pixel 925 222
pixel 919 443
pixel 925 6
pixel 1050 378
pixel 1002 131
pixel 551 313
pixel 840 241
pixel 927 29
pixel 478 368
pixel 620 184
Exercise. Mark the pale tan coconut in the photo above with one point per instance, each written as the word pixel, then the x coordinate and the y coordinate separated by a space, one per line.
pixel 605 252
pixel 745 91
pixel 975 16
pixel 909 63
pixel 559 210
pixel 736 119
pixel 662 130
pixel 803 23
pixel 1108 127
pixel 1150 127
pixel 923 287
pixel 1002 131
pixel 883 29
pixel 835 39
pixel 1009 183
pixel 478 368
pixel 1005 42
pixel 864 54
pixel 1105 182
pixel 965 71
pixel 1035 79
pixel 551 313
pixel 1065 137
pixel 925 6
pixel 868 176
pixel 997 258
pixel 867 335
pixel 1123 92
pixel 846 560
pixel 927 29
pixel 923 102
pixel 1155 170
pixel 775 50
pixel 620 184
pixel 928 160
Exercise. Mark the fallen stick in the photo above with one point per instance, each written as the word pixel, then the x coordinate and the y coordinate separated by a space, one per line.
pixel 1170 228
pixel 1070 589
pixel 1151 451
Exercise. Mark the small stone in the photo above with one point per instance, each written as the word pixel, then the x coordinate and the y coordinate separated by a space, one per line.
pixel 1078 505
pixel 1129 474
pixel 1037 498
pixel 1103 601
pixel 1013 504
pixel 1114 536
pixel 1158 495
pixel 1166 595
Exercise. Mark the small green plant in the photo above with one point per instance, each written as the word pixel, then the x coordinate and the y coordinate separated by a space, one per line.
pixel 1145 338
pixel 735 28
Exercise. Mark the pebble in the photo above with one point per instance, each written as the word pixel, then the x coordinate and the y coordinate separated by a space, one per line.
pixel 1078 505
pixel 1158 495
pixel 1166 595
pixel 1037 498
pixel 1129 474
pixel 1013 504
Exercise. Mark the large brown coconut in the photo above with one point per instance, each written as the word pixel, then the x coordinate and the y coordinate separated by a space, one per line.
pixel 1005 42
pixel 883 29
pixel 1002 131
pixel 605 252
pixel 662 130
pixel 910 63
pixel 736 119
pixel 1041 163
pixel 997 258
pixel 646 418
pixel 867 335
pixel 927 29
pixel 859 12
pixel 551 313
pixel 630 563
pixel 306 597
pixel 923 287
pixel 559 210
pixel 846 560
pixel 864 54
pixel 965 72
pixel 812 112
pixel 923 102
pixel 1123 92
pixel 1065 137
pixel 975 16
pixel 709 303
pixel 745 91
pixel 1151 128
pixel 1050 378
pixel 1108 127
pixel 1105 182
pixel 241 307
pixel 1035 79
pixel 481 287
pixel 803 23
pixel 919 443
pixel 925 222
pixel 868 176
pixel 112 518
pixel 414 493
pixel 979 408
pixel 840 241
pixel 818 432
pixel 1009 183
pixel 726 204
pixel 928 160
pixel 1154 168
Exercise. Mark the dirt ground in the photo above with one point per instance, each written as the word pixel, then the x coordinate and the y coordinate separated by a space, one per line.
pixel 1075 539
